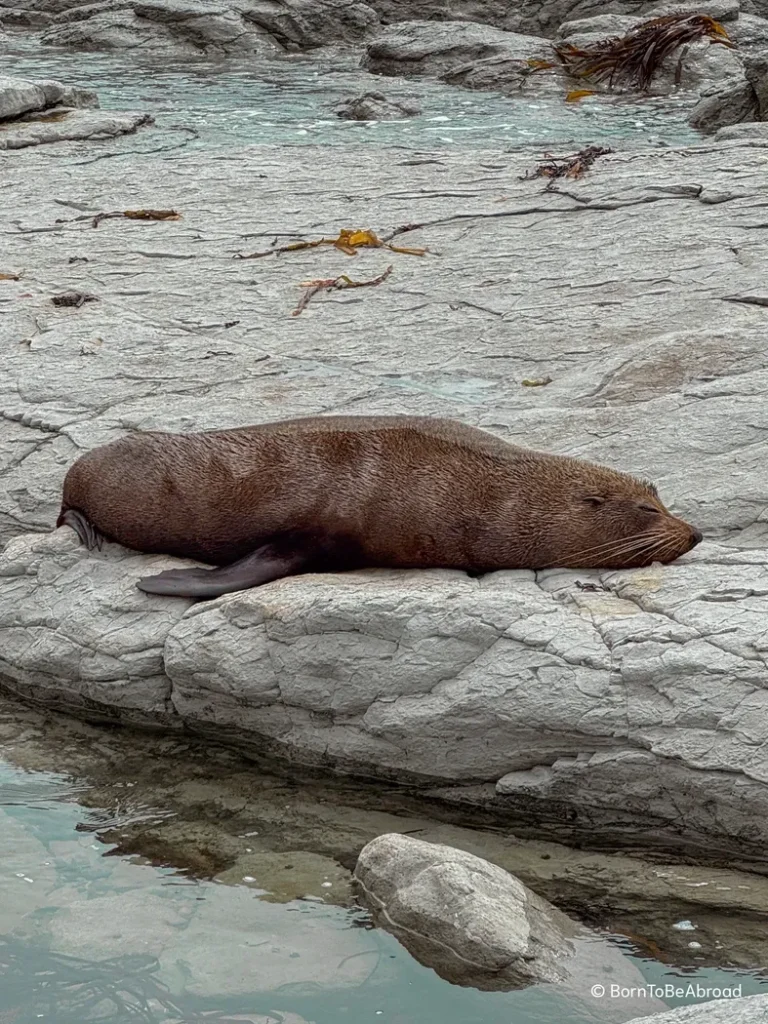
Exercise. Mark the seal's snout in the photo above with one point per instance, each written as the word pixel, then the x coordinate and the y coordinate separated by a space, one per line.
pixel 696 537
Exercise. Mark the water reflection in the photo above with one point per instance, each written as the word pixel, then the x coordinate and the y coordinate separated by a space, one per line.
pixel 149 879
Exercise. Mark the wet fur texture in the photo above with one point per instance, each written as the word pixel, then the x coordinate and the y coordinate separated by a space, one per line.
pixel 341 492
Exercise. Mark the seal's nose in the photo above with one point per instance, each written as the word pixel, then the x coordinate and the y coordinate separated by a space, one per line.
pixel 696 537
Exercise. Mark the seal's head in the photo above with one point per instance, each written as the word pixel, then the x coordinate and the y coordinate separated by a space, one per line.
pixel 616 521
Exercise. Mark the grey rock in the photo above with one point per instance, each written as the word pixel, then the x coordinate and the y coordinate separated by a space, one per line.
pixel 757 130
pixel 480 57
pixel 190 26
pixel 20 96
pixel 630 715
pixel 720 10
pixel 543 17
pixel 471 920
pixel 462 53
pixel 699 67
pixel 731 105
pixel 751 34
pixel 40 112
pixel 72 125
pixel 375 106
pixel 432 48
pixel 750 1010
pixel 19 17
pixel 601 26
pixel 476 924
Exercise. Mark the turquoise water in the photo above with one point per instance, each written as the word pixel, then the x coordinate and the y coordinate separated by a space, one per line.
pixel 87 934
pixel 292 100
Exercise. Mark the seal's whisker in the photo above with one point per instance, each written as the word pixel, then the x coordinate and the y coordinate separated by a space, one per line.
pixel 668 547
pixel 609 549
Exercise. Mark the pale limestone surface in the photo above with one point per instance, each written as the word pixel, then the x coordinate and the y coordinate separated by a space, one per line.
pixel 634 714
pixel 750 1010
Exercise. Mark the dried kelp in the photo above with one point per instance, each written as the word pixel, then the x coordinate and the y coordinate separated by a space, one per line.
pixel 348 241
pixel 330 283
pixel 636 57
pixel 128 214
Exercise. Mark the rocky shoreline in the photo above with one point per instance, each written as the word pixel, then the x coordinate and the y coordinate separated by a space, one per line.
pixel 616 710
pixel 482 46
pixel 618 315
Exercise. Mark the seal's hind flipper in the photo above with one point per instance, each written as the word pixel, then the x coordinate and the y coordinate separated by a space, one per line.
pixel 83 527
pixel 263 566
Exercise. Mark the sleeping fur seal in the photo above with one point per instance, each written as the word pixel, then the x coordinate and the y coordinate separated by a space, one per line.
pixel 334 493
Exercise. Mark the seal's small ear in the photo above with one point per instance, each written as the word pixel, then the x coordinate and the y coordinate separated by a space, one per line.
pixel 594 500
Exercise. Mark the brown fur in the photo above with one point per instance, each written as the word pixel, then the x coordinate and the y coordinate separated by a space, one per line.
pixel 370 491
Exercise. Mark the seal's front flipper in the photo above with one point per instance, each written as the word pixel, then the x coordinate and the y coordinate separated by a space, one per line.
pixel 83 527
pixel 264 565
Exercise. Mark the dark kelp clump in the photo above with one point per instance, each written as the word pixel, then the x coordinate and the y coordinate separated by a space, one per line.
pixel 567 166
pixel 636 57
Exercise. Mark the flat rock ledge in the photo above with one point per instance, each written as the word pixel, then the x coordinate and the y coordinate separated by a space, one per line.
pixel 617 708
pixel 751 1010
pixel 34 113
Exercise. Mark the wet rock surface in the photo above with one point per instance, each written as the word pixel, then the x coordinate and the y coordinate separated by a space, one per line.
pixel 375 106
pixel 614 709
pixel 721 86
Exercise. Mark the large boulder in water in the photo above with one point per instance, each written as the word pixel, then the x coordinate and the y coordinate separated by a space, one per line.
pixel 475 924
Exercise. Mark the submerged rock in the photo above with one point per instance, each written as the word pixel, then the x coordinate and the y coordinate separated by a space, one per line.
pixel 375 106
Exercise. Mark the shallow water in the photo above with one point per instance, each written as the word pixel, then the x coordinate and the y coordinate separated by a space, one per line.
pixel 249 923
pixel 292 100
